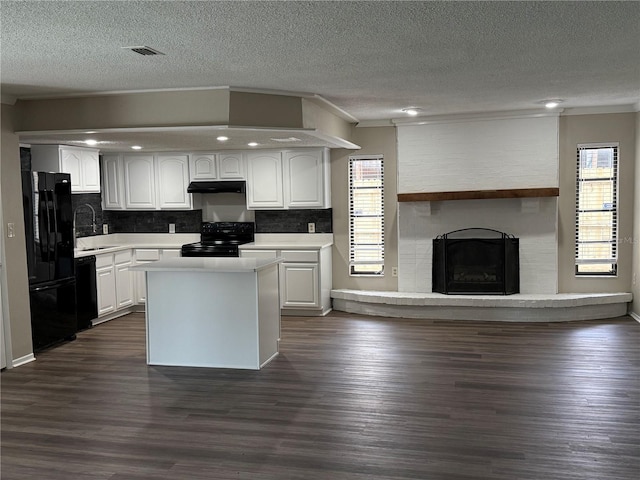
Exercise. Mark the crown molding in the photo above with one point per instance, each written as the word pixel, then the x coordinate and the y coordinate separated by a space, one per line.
pixel 465 117
pixel 602 110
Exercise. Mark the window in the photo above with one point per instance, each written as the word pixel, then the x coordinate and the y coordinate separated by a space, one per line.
pixel 366 215
pixel 597 210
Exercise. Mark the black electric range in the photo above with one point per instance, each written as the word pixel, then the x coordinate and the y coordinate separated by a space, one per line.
pixel 220 239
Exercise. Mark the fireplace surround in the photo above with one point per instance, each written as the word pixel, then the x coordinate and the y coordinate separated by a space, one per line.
pixel 476 261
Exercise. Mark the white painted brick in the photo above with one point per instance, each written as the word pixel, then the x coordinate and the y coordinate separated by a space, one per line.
pixel 478 155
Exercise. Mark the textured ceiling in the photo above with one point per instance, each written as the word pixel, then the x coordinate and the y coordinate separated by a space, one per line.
pixel 369 58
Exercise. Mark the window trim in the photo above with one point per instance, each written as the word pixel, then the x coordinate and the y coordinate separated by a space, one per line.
pixel 613 273
pixel 351 263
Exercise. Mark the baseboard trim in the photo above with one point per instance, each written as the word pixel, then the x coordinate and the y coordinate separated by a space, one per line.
pixel 635 316
pixel 17 362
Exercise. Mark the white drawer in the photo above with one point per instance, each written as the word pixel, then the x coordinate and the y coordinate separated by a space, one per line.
pixel 259 253
pixel 170 253
pixel 122 257
pixel 299 255
pixel 104 260
pixel 147 254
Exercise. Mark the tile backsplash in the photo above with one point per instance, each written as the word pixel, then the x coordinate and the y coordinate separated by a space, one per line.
pixel 186 221
pixel 293 221
pixel 82 204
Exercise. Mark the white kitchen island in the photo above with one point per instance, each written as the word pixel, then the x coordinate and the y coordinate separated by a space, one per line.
pixel 212 312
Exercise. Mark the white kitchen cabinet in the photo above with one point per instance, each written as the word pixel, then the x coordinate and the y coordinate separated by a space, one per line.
pixel 83 164
pixel 139 182
pixel 112 182
pixel 172 180
pixel 146 182
pixel 289 179
pixel 202 166
pixel 264 180
pixel 124 279
pixel 307 178
pixel 231 166
pixel 114 282
pixel 216 166
pixel 305 279
pixel 299 285
pixel 106 285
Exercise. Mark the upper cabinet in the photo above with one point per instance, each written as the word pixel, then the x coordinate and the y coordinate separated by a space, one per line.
pixel 264 180
pixel 172 179
pixel 216 166
pixel 288 179
pixel 139 182
pixel 202 166
pixel 112 182
pixel 81 163
pixel 275 179
pixel 146 182
pixel 231 166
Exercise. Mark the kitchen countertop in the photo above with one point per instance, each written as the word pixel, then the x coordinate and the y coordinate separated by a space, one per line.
pixel 208 264
pixel 289 241
pixel 104 244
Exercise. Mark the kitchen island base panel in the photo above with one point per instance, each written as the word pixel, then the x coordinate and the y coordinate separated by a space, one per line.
pixel 209 319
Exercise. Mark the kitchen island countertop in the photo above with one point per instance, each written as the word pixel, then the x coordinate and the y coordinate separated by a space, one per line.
pixel 208 264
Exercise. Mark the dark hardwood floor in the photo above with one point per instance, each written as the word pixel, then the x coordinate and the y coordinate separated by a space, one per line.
pixel 349 397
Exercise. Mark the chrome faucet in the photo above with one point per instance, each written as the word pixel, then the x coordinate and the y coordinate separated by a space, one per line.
pixel 93 222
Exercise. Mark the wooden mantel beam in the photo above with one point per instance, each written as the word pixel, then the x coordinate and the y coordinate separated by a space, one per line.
pixel 479 194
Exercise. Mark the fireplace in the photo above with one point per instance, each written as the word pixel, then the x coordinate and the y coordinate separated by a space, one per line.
pixel 476 261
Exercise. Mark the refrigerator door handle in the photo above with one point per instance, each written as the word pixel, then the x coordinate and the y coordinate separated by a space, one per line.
pixel 43 224
pixel 55 224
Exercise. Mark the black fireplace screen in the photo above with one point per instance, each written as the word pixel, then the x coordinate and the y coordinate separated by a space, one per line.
pixel 485 263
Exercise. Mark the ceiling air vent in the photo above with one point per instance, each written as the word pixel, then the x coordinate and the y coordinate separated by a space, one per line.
pixel 144 50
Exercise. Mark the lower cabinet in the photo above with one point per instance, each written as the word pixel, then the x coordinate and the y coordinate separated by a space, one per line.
pixel 114 282
pixel 305 279
pixel 106 290
pixel 299 285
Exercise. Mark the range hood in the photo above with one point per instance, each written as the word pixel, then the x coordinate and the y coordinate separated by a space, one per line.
pixel 217 187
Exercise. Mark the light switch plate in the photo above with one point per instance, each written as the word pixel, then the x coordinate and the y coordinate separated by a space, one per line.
pixel 172 228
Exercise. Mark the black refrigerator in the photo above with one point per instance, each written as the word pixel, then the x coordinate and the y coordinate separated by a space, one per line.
pixel 48 219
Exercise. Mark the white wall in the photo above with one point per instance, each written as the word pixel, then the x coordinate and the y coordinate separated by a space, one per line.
pixel 635 287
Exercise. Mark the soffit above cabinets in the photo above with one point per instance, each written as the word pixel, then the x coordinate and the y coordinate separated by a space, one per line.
pixel 183 139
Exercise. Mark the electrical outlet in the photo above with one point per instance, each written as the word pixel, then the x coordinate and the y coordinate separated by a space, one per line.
pixel 311 227
pixel 11 230
pixel 172 228
pixel 105 229
pixel 394 271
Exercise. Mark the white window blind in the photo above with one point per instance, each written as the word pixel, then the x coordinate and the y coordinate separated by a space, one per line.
pixel 366 215
pixel 597 210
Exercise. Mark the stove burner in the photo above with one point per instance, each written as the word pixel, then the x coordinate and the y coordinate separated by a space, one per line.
pixel 220 239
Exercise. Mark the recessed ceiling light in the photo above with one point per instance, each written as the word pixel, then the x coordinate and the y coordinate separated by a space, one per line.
pixel 552 103
pixel 136 147
pixel 253 144
pixel 90 132
pixel 413 111
pixel 222 138
pixel 91 142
